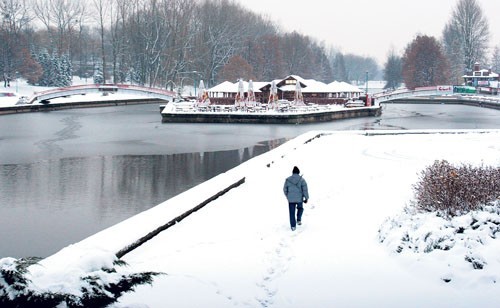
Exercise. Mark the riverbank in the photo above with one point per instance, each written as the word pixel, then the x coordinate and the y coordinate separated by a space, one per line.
pixel 11 105
pixel 77 104
pixel 239 249
pixel 491 102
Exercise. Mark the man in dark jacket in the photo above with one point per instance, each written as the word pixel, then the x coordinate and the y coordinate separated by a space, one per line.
pixel 295 190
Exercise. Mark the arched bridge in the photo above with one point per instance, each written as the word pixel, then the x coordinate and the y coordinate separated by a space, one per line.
pixel 419 92
pixel 46 96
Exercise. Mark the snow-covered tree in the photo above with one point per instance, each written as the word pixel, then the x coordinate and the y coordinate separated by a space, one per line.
pixel 339 69
pixel 57 71
pixel 98 74
pixel 468 30
pixel 424 63
pixel 357 66
pixel 65 70
pixel 495 59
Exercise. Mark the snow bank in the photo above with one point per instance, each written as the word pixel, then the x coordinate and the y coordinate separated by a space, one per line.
pixel 239 250
pixel 463 250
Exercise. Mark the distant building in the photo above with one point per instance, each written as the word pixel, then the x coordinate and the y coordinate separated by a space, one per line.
pixel 484 80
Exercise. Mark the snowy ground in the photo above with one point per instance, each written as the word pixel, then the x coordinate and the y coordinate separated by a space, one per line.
pixel 239 251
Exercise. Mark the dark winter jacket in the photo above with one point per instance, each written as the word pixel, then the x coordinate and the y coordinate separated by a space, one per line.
pixel 295 189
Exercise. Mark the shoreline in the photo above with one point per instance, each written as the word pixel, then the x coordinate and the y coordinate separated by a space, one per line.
pixel 74 105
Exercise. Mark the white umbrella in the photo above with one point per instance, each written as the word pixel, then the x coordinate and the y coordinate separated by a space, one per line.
pixel 240 96
pixel 203 99
pixel 298 99
pixel 251 95
pixel 273 97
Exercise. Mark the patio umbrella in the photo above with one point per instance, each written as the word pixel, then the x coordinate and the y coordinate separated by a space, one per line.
pixel 273 97
pixel 251 95
pixel 298 98
pixel 203 99
pixel 240 96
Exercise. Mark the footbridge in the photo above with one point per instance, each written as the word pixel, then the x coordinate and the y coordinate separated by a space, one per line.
pixel 44 97
pixel 426 92
pixel 438 95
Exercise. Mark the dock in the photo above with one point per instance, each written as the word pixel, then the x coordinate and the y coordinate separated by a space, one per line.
pixel 297 116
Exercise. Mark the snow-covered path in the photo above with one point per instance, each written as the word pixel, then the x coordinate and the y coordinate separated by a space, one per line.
pixel 239 250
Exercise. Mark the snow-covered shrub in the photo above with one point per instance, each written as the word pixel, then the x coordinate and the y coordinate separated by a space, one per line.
pixel 456 245
pixel 14 290
pixel 452 190
pixel 97 288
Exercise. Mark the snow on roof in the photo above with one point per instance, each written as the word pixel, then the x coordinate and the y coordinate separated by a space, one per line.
pixel 318 87
pixel 229 87
pixel 310 86
pixel 338 87
pixel 225 87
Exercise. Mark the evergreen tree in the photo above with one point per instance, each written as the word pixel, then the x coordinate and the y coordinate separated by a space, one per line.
pixel 43 59
pixel 98 74
pixel 66 70
pixel 57 71
pixel 393 71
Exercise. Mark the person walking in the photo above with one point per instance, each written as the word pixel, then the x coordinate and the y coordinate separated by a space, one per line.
pixel 295 189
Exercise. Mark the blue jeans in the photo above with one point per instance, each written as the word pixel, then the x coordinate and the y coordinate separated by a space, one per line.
pixel 300 210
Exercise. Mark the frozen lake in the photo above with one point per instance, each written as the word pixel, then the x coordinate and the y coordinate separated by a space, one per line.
pixel 68 174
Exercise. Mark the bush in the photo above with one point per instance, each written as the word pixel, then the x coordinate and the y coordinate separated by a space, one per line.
pixel 452 190
pixel 97 289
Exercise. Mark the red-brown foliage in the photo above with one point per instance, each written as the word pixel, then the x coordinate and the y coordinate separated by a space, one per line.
pixel 453 190
pixel 424 63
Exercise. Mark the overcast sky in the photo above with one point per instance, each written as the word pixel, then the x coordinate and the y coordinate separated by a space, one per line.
pixel 368 27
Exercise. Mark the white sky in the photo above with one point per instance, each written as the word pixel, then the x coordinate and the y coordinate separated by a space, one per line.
pixel 368 27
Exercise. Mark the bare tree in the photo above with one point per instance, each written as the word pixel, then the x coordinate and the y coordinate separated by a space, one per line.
pixel 339 69
pixel 14 17
pixel 103 8
pixel 454 52
pixel 468 27
pixel 495 59
pixel 63 15
pixel 357 67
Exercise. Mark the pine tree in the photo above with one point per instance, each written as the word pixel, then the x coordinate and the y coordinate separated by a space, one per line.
pixel 98 74
pixel 43 59
pixel 66 70
pixel 393 71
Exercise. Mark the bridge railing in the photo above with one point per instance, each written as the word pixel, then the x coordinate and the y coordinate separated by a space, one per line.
pixel 425 91
pixel 81 89
pixel 435 91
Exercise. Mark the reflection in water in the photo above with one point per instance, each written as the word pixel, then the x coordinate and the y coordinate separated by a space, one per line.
pixel 51 204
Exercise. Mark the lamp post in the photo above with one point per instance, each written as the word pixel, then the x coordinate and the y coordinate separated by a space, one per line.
pixel 195 79
pixel 366 83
